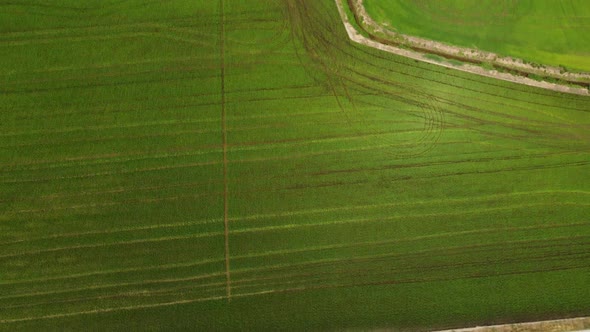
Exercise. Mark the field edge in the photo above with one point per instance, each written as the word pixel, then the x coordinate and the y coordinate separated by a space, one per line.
pixel 491 65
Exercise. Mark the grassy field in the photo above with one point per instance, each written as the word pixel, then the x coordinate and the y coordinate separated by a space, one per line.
pixel 359 189
pixel 544 32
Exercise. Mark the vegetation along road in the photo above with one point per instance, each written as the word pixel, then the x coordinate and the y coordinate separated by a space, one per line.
pixel 508 68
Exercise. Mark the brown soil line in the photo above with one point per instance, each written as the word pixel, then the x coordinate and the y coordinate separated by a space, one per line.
pixel 225 148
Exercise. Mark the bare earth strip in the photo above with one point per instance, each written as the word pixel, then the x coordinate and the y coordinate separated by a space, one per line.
pixel 224 144
pixel 355 36
pixel 559 325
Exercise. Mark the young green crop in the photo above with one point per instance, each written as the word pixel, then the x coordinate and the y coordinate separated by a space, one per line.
pixel 540 32
pixel 364 190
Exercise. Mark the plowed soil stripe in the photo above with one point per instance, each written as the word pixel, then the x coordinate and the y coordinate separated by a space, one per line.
pixel 224 139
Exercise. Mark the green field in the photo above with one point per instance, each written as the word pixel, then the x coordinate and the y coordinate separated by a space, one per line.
pixel 539 31
pixel 360 189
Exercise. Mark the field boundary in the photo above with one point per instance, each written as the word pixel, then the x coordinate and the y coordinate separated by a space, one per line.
pixel 373 42
pixel 569 324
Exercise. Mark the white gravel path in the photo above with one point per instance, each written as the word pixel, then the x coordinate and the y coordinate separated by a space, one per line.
pixel 355 36
pixel 578 324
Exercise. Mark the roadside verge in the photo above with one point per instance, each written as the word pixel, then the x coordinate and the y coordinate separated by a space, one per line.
pixel 379 43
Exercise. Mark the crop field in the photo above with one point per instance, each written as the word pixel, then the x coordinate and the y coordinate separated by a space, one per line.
pixel 543 32
pixel 212 165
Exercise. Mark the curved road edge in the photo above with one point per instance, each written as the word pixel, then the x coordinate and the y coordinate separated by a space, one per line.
pixel 570 324
pixel 355 36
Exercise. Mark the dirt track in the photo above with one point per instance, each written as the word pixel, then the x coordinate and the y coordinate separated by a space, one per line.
pixel 559 325
pixel 224 145
pixel 355 36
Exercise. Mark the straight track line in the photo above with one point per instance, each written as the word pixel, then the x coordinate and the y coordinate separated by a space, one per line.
pixel 224 143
